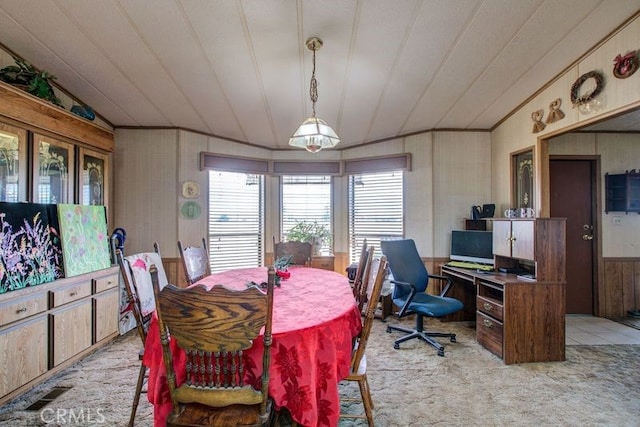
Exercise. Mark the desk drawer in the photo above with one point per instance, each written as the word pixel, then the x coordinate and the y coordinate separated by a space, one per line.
pixel 104 283
pixel 70 293
pixel 24 307
pixel 491 307
pixel 489 333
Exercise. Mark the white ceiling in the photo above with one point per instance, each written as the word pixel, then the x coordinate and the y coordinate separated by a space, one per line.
pixel 239 69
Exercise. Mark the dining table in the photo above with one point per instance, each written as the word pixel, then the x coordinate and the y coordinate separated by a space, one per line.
pixel 315 319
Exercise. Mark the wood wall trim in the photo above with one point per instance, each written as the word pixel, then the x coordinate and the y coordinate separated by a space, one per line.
pixel 20 106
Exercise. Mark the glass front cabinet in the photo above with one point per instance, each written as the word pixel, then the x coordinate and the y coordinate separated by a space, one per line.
pixel 39 168
pixel 13 164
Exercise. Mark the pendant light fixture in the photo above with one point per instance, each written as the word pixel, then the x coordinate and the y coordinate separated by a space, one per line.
pixel 314 134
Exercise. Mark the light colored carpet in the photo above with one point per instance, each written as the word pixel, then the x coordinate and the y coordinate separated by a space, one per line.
pixel 595 386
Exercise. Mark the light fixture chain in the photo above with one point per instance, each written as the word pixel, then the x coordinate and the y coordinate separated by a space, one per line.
pixel 313 88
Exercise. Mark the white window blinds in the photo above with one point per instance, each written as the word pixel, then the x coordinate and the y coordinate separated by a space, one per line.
pixel 306 198
pixel 236 220
pixel 375 210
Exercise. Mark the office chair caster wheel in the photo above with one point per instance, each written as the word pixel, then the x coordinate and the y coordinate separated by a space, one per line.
pixel 396 346
pixel 388 329
pixel 453 338
pixel 441 352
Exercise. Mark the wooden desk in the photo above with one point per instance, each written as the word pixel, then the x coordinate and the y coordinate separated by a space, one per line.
pixel 517 320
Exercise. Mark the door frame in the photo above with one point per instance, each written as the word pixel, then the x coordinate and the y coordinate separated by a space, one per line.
pixel 541 165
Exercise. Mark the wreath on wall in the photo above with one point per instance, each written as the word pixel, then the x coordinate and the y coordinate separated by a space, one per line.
pixel 576 99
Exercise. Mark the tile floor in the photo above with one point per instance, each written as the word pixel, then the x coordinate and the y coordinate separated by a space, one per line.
pixel 590 330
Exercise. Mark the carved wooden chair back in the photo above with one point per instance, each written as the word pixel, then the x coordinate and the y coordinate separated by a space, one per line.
pixel 362 262
pixel 213 328
pixel 136 276
pixel 302 252
pixel 195 261
pixel 358 370
pixel 361 290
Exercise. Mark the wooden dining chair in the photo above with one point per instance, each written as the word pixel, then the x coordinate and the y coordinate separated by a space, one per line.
pixel 195 261
pixel 357 278
pixel 139 293
pixel 214 328
pixel 301 252
pixel 360 284
pixel 358 370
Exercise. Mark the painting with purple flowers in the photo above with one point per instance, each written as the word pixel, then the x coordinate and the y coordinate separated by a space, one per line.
pixel 85 243
pixel 30 247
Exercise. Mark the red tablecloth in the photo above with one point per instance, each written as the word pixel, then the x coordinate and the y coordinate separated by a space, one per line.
pixel 314 321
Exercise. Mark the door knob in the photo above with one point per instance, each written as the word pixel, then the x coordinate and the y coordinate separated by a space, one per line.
pixel 587 237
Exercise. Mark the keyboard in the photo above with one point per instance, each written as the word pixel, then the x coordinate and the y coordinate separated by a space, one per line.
pixel 470 265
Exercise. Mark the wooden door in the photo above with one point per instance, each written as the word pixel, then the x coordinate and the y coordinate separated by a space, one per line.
pixel 572 196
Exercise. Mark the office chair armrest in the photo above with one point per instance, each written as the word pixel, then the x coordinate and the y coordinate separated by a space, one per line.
pixel 447 286
pixel 401 289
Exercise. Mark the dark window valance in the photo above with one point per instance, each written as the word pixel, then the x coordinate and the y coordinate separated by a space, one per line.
pixel 210 161
pixel 378 164
pixel 306 168
pixel 233 164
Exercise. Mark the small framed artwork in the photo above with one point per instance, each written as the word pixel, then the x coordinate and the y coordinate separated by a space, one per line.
pixel 522 179
pixel 53 170
pixel 13 164
pixel 93 177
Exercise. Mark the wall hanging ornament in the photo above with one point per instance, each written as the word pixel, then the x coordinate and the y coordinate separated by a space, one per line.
pixel 586 99
pixel 555 113
pixel 538 125
pixel 624 66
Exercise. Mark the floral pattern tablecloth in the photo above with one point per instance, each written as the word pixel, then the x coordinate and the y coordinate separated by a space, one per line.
pixel 314 321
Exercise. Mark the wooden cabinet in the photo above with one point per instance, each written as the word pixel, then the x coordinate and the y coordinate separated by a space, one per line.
pixel 520 319
pixel 23 353
pixel 106 306
pixel 622 192
pixel 325 262
pixel 47 327
pixel 70 331
pixel 536 244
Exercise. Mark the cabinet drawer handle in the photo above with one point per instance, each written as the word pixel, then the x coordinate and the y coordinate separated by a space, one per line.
pixel 488 306
pixel 21 310
pixel 73 294
pixel 488 323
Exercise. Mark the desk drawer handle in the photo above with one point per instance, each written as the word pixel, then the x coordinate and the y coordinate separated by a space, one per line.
pixel 488 323
pixel 488 306
pixel 21 310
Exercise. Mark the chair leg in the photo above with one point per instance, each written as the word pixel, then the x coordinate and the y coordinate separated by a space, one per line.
pixel 136 397
pixel 419 332
pixel 367 402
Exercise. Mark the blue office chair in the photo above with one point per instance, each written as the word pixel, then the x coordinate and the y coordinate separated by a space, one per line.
pixel 411 278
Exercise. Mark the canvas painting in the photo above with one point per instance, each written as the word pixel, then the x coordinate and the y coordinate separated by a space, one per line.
pixel 85 243
pixel 31 252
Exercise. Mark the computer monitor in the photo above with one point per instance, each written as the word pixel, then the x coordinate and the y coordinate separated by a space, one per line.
pixel 472 246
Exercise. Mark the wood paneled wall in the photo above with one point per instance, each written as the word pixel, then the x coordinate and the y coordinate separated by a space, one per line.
pixel 621 287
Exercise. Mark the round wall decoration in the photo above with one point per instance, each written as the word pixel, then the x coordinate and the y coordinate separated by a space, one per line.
pixel 576 98
pixel 624 66
pixel 190 190
pixel 190 210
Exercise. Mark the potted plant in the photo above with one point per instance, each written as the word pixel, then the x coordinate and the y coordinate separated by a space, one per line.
pixel 311 232
pixel 25 77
